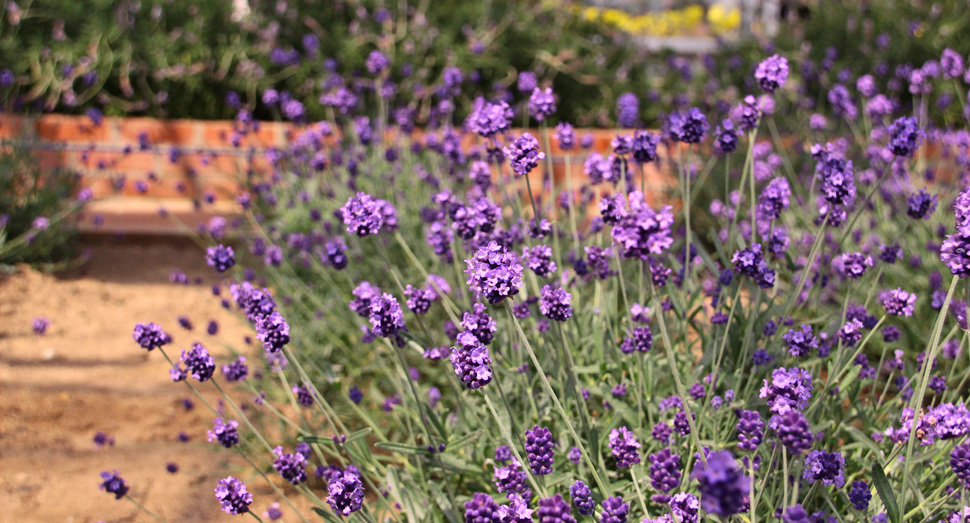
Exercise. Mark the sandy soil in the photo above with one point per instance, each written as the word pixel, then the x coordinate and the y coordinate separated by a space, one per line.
pixel 87 375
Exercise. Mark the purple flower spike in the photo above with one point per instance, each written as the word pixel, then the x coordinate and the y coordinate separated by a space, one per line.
pixel 554 303
pixel 233 496
pixel 898 302
pixel 540 449
pixel 494 273
pixel 150 336
pixel 471 361
pixel 614 510
pixel 687 128
pixel 722 484
pixel 345 492
pixel 221 258
pixel 906 136
pixel 365 215
pixel 113 483
pixel 772 73
pixel 225 432
pixel 542 104
pixel 524 154
pixel 788 389
pixel 625 447
pixel 827 467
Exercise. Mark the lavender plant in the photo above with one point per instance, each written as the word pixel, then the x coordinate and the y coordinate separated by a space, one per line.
pixel 478 338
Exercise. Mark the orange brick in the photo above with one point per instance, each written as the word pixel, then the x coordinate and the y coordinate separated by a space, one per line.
pixel 51 159
pixel 72 129
pixel 11 126
pixel 137 161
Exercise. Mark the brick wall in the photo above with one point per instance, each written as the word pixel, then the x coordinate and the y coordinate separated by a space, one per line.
pixel 188 160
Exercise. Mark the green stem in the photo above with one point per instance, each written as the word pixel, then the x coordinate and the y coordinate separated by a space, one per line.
pixel 681 391
pixel 145 510
pixel 544 380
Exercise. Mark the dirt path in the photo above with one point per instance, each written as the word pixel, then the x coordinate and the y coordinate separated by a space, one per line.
pixel 87 375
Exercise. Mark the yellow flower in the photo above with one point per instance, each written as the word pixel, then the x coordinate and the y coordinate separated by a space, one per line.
pixel 722 19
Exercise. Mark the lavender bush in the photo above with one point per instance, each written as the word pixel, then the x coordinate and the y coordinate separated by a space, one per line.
pixel 38 211
pixel 785 337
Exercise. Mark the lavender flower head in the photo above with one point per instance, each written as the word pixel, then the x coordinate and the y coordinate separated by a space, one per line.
pixel 365 215
pixel 627 110
pixel 233 496
pixel 793 431
pixel 800 342
pixel 517 511
pixel 479 323
pixel 614 510
pixel 273 331
pixel 852 264
pixel 470 359
pixel 906 136
pixel 955 251
pixel 859 495
pixel 292 467
pixel 113 483
pixel 772 73
pixel 345 492
pixel 542 104
pixel 827 467
pixel 960 463
pixel 150 336
pixel 750 262
pixel 722 484
pixel 39 325
pixel 198 363
pixel 921 205
pixel 788 389
pixel 225 432
pixel 490 119
pixel 639 339
pixel 645 146
pixel 685 508
pixel 836 184
pixel 554 510
pixel 386 316
pixel 481 509
pixel 524 154
pixel 376 62
pixel 795 514
pixel 511 479
pixel 540 449
pixel 625 447
pixel 641 231
pixel 582 498
pixel 539 259
pixel 898 302
pixel 220 257
pixel 554 303
pixel 774 199
pixel 494 273
pixel 236 370
pixel 951 63
pixel 565 136
pixel 687 128
pixel 750 430
pixel 664 473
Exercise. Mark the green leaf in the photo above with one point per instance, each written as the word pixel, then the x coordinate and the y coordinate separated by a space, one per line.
pixel 885 491
pixel 464 440
pixel 327 439
pixel 326 515
pixel 402 448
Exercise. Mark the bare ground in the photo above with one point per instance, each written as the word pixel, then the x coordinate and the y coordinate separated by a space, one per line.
pixel 87 375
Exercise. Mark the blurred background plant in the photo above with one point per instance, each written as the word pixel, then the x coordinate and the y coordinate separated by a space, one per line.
pixel 183 59
pixel 37 211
